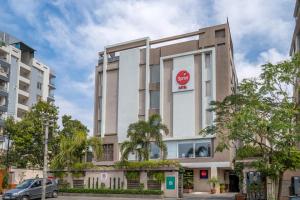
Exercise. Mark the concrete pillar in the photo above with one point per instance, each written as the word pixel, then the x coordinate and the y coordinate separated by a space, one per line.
pixel 143 179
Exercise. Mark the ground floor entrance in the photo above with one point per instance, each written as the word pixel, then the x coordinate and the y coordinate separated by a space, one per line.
pixel 198 180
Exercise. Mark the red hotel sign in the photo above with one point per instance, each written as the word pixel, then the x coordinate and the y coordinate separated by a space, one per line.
pixel 182 78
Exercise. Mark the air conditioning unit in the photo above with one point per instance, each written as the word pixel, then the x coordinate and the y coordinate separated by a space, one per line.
pixel 295 186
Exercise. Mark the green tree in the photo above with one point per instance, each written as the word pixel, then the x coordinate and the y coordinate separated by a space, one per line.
pixel 141 134
pixel 27 135
pixel 263 118
pixel 73 146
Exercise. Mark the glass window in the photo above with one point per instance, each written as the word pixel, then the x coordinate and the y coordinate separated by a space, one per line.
pixel 154 74
pixel 39 85
pixel 108 152
pixel 209 118
pixel 207 88
pixel 154 99
pixel 202 150
pixel 154 151
pixel 186 150
pixel 207 60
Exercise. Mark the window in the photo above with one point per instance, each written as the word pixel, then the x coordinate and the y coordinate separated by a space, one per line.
pixel 202 150
pixel 38 183
pixel 220 33
pixel 186 150
pixel 49 182
pixel 207 88
pixel 154 74
pixel 154 99
pixel 154 151
pixel 108 152
pixel 209 118
pixel 39 85
pixel 207 60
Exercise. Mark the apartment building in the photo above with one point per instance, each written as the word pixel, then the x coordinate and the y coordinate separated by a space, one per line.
pixel 176 77
pixel 23 79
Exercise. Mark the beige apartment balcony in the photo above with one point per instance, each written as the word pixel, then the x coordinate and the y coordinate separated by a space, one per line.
pixel 23 107
pixel 25 67
pixel 23 93
pixel 24 80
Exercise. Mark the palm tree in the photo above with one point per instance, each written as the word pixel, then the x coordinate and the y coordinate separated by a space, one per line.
pixel 72 150
pixel 141 134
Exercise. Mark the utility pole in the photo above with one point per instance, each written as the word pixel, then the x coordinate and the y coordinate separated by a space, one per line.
pixel 7 152
pixel 45 160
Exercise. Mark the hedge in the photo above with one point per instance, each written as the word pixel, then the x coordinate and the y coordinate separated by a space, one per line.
pixel 148 164
pixel 109 191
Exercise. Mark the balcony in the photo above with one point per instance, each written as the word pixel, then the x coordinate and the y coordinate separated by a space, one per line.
pixel 25 67
pixel 50 97
pixel 4 74
pixel 23 107
pixel 3 90
pixel 24 80
pixel 3 108
pixel 24 93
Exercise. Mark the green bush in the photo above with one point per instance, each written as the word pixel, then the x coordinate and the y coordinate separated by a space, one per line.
pixel 5 180
pixel 109 191
pixel 149 164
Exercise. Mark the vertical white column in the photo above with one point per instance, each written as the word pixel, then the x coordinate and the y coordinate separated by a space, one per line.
pixel 147 92
pixel 103 114
pixel 161 88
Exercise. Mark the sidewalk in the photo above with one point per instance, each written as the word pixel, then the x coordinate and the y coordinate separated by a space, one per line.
pixel 206 195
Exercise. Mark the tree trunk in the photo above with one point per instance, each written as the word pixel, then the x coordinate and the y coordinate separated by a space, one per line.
pixel 280 178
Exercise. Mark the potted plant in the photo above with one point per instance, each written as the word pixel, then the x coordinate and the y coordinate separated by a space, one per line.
pixel 222 188
pixel 213 181
pixel 187 185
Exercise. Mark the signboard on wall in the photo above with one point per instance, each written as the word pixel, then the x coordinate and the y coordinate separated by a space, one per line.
pixel 170 183
pixel 182 79
pixel 203 174
pixel 103 176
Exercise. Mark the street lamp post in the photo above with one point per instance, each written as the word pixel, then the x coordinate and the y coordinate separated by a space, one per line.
pixel 45 169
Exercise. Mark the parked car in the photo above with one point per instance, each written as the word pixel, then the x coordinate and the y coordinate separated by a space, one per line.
pixel 31 189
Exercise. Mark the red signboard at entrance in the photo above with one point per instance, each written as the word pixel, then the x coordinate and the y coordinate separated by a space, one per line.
pixel 203 174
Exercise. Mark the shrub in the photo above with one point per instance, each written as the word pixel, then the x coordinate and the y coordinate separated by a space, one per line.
pixel 5 180
pixel 109 191
pixel 149 164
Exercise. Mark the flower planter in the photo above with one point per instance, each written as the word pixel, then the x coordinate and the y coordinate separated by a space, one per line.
pixel 187 190
pixel 240 196
pixel 213 191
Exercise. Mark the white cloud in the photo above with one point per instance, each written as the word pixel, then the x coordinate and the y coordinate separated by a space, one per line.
pixel 266 20
pixel 261 31
pixel 68 107
pixel 251 69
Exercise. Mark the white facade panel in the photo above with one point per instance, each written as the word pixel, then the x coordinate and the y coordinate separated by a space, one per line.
pixel 128 104
pixel 184 101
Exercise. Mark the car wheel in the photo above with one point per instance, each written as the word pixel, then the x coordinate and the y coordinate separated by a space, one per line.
pixel 25 198
pixel 54 194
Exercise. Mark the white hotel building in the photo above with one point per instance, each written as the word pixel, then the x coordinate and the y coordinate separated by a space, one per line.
pixel 175 77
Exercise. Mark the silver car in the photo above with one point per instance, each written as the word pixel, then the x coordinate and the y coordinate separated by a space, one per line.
pixel 31 189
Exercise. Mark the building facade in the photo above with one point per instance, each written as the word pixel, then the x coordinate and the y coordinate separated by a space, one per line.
pixel 295 48
pixel 176 77
pixel 23 79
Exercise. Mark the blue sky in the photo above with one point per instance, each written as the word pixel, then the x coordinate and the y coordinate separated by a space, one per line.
pixel 67 34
